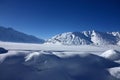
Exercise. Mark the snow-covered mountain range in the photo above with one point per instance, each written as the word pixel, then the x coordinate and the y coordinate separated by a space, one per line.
pixel 68 38
pixel 11 35
pixel 86 38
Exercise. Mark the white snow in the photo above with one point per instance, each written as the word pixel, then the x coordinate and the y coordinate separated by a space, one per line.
pixel 70 38
pixel 115 72
pixel 111 54
pixel 118 43
pixel 52 47
pixel 55 62
pixel 87 55
pixel 86 38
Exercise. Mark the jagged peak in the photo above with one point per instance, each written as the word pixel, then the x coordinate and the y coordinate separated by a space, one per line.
pixel 86 37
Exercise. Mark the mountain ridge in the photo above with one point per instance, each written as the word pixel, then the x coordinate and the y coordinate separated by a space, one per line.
pixel 12 35
pixel 67 38
pixel 86 38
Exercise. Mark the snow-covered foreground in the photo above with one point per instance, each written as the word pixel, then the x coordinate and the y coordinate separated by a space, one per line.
pixel 57 62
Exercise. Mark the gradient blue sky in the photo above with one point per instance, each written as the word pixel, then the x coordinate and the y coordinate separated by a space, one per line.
pixel 45 18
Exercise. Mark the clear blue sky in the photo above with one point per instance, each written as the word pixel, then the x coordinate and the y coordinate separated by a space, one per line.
pixel 45 18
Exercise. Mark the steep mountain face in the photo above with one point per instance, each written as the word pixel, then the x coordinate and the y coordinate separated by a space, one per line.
pixel 70 38
pixel 11 35
pixel 117 34
pixel 102 38
pixel 86 38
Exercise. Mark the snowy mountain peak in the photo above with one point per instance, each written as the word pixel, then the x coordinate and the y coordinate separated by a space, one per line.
pixel 11 35
pixel 86 38
pixel 70 38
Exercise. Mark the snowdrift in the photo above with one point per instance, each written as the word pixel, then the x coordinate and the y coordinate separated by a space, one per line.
pixel 45 65
pixel 111 55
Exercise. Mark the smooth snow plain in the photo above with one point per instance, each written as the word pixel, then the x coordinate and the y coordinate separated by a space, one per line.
pixel 57 62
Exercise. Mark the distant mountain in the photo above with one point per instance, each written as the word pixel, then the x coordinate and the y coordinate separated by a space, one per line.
pixel 11 35
pixel 86 38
